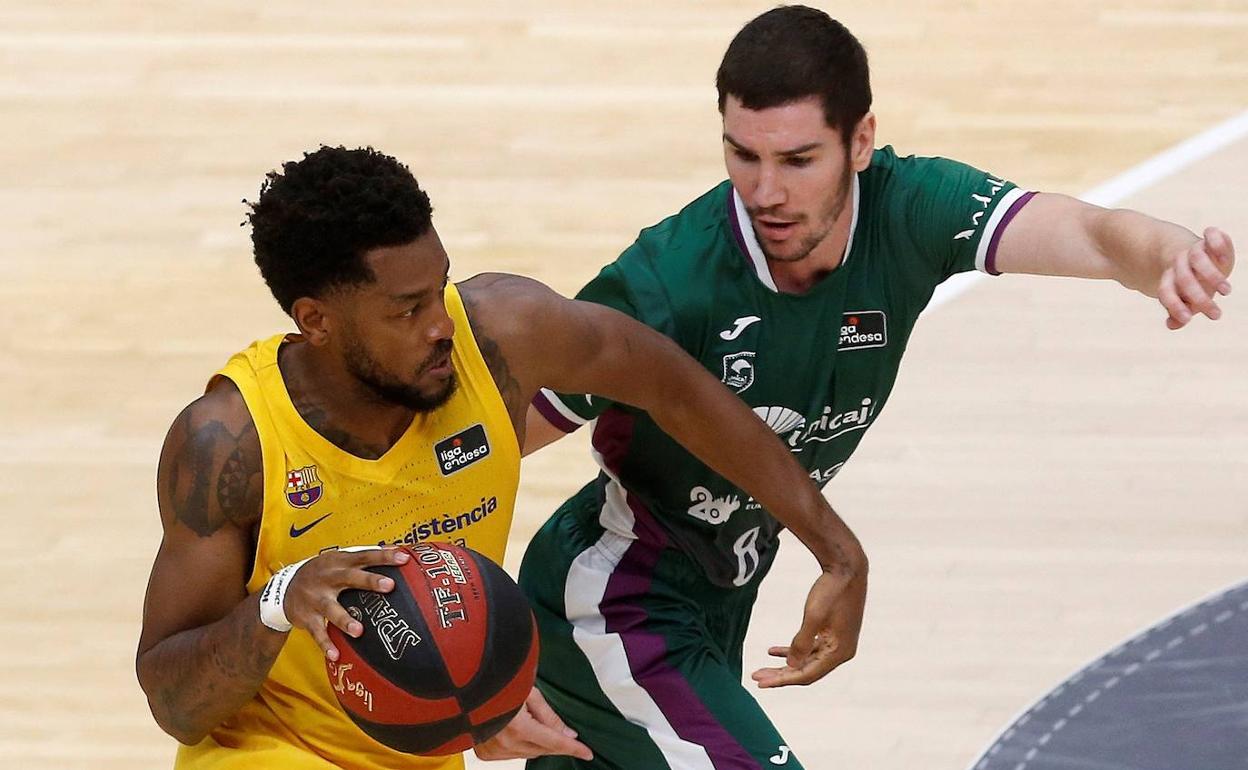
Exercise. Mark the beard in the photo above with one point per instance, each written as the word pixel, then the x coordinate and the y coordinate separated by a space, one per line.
pixel 823 227
pixel 389 389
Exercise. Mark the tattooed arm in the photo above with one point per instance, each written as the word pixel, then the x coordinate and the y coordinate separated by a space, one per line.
pixel 542 339
pixel 485 321
pixel 203 651
pixel 531 337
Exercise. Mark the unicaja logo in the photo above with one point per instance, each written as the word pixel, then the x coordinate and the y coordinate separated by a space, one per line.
pixel 797 432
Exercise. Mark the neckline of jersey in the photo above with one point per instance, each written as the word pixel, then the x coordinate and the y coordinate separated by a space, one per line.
pixel 747 242
pixel 389 462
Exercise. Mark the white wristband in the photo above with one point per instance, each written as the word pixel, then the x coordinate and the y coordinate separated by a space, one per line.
pixel 273 597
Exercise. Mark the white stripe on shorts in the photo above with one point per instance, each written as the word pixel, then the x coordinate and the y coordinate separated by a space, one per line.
pixel 583 593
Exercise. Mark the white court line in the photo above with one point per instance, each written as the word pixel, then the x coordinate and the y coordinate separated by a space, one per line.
pixel 1128 183
pixel 1110 193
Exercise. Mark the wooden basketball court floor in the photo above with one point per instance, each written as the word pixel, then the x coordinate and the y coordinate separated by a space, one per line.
pixel 1055 471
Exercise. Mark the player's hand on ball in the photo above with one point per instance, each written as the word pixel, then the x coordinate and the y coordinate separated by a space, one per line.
pixel 1190 284
pixel 828 636
pixel 311 601
pixel 535 731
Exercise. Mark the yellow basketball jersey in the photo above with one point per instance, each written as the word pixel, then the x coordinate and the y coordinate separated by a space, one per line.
pixel 451 477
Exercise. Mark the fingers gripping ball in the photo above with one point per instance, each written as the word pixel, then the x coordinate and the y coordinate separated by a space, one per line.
pixel 446 659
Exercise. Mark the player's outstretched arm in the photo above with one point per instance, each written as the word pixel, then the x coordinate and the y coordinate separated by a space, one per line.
pixel 580 347
pixel 204 651
pixel 1059 235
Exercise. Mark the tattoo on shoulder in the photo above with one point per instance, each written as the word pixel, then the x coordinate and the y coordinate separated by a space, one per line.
pixel 232 481
pixel 216 474
pixel 507 384
pixel 497 364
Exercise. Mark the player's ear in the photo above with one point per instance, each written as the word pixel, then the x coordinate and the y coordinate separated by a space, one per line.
pixel 862 142
pixel 313 319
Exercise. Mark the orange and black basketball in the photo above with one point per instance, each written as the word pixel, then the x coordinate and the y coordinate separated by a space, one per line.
pixel 446 659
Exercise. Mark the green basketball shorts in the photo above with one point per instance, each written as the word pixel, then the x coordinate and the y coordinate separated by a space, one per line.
pixel 639 653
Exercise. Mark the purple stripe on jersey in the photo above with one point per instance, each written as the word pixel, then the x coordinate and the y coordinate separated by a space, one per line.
pixel 612 435
pixel 552 415
pixel 990 261
pixel 645 525
pixel 736 230
pixel 647 656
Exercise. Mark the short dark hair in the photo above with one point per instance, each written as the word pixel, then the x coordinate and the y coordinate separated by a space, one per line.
pixel 317 217
pixel 793 52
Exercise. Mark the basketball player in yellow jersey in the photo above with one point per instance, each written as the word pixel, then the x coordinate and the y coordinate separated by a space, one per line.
pixel 396 416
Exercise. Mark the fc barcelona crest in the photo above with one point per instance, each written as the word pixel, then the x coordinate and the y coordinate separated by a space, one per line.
pixel 303 487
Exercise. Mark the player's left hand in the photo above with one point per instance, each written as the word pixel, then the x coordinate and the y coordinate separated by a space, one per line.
pixel 828 636
pixel 1197 275
pixel 535 731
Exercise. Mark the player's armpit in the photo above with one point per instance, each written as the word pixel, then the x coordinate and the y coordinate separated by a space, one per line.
pixel 538 432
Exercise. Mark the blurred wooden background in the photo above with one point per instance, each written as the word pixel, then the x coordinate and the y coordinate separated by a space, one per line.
pixel 1056 470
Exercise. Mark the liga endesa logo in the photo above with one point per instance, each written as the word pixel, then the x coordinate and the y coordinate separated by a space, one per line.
pixel 864 329
pixel 462 449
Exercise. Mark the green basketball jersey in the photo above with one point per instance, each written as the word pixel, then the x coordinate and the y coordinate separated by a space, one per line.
pixel 817 367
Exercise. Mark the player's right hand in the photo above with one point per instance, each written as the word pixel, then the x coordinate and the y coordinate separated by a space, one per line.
pixel 828 636
pixel 312 599
pixel 1195 277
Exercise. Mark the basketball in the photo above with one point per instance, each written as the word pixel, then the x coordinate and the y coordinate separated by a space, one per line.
pixel 446 659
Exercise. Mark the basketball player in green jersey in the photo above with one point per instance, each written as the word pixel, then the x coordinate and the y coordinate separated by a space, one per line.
pixel 797 282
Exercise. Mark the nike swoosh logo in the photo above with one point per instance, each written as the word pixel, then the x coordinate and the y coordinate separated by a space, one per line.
pixel 297 531
pixel 740 325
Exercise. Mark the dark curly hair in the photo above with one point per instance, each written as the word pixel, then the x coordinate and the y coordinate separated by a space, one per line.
pixel 317 217
pixel 793 52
